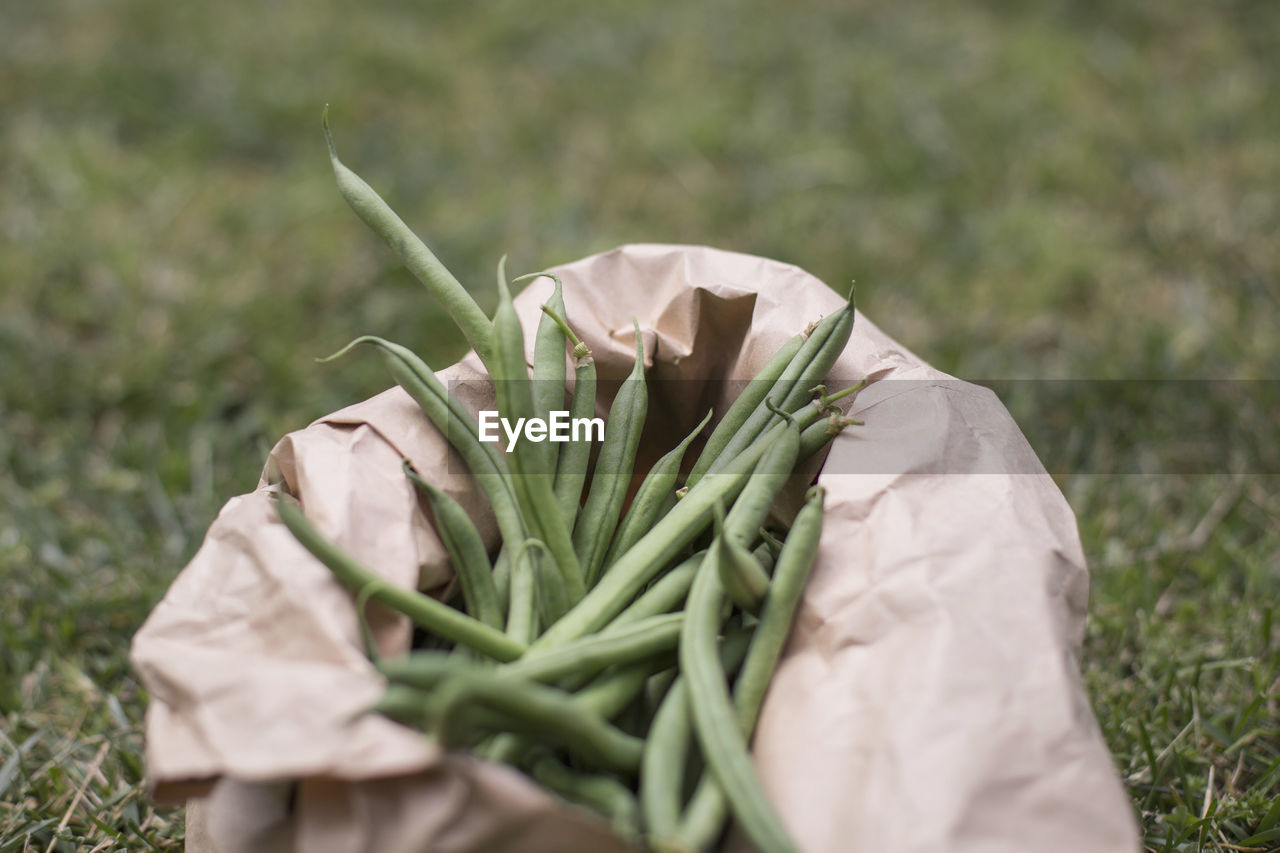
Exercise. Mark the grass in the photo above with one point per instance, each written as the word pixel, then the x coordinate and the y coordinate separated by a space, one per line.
pixel 1056 190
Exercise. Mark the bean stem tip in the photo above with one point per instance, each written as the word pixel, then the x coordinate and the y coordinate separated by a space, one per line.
pixel 363 339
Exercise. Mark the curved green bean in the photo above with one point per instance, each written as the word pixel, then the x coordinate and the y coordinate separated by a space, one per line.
pixel 456 424
pixel 466 548
pixel 703 820
pixel 422 710
pixel 662 766
pixel 417 258
pixel 715 722
pixel 666 749
pixel 424 611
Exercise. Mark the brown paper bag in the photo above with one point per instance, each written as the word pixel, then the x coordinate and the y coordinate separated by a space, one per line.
pixel 929 697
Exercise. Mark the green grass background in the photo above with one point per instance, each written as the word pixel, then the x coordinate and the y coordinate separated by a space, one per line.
pixel 1022 190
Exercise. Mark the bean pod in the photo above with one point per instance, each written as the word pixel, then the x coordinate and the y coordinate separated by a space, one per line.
pixel 595 525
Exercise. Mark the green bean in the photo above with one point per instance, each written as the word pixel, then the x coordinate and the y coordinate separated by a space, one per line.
pixel 458 427
pixel 466 548
pixel 421 670
pixel 366 632
pixel 424 611
pixel 705 816
pixel 742 576
pixel 655 602
pixel 716 725
pixel 532 478
pixel 602 794
pixel 825 357
pixel 662 767
pixel 618 646
pixel 742 407
pixel 550 596
pixel 404 704
pixel 654 497
pixel 511 376
pixel 419 260
pixel 575 682
pixel 666 749
pixel 588 655
pixel 771 473
pixel 669 591
pixel 422 710
pixel 795 564
pixel 575 456
pixel 595 526
pixel 549 370
pixel 544 711
pixel 522 619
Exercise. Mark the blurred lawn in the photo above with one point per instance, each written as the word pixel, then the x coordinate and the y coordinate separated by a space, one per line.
pixel 1022 190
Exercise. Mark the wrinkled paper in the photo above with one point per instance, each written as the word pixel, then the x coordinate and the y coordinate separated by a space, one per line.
pixel 929 698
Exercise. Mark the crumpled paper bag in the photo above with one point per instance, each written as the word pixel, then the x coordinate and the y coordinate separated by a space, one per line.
pixel 929 698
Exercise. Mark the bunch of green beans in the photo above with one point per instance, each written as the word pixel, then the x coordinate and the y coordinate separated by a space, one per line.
pixel 606 651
